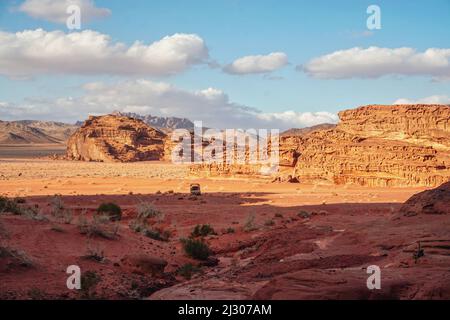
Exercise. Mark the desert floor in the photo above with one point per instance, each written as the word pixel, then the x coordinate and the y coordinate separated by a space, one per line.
pixel 306 241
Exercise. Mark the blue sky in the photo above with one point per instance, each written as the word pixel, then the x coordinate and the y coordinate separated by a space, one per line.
pixel 303 30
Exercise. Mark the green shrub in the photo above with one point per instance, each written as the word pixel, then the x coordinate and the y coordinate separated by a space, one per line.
pixel 7 205
pixel 187 270
pixel 89 281
pixel 269 223
pixel 202 231
pixel 157 234
pixel 196 249
pixel 110 210
pixel 230 230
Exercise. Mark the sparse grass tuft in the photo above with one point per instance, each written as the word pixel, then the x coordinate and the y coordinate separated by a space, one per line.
pixel 100 226
pixel 94 253
pixel 19 256
pixel 249 224
pixel 145 211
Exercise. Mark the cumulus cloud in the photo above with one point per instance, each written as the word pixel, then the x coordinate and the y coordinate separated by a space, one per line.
pixel 375 62
pixel 34 52
pixel 257 64
pixel 436 99
pixel 55 10
pixel 212 106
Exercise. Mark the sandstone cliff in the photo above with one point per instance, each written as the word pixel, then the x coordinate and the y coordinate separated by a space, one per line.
pixel 376 145
pixel 398 145
pixel 115 138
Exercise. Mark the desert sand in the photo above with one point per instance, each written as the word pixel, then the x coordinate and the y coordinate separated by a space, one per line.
pixel 305 241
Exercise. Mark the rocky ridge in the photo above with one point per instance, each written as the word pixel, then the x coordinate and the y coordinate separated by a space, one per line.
pixel 113 138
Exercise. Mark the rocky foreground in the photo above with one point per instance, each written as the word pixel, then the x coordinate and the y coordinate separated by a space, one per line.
pixel 271 241
pixel 326 253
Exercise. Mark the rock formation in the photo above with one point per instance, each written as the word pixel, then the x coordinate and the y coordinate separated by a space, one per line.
pixel 376 145
pixel 115 138
pixel 435 201
pixel 400 145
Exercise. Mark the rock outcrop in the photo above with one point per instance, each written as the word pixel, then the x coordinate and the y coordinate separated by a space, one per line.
pixel 113 138
pixel 400 145
pixel 435 201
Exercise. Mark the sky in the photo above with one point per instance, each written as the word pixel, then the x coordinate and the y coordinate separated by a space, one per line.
pixel 228 63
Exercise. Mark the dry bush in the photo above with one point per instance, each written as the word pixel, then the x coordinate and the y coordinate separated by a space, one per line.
pixel 100 226
pixel 19 256
pixel 202 231
pixel 59 211
pixel 249 224
pixel 94 253
pixel 145 213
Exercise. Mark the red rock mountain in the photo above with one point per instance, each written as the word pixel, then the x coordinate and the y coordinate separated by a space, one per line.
pixel 115 138
pixel 377 145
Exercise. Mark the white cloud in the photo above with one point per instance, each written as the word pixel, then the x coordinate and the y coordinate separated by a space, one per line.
pixel 436 99
pixel 55 10
pixel 212 106
pixel 34 52
pixel 257 64
pixel 375 62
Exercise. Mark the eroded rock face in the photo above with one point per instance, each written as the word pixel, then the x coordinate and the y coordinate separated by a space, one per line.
pixel 400 145
pixel 113 138
pixel 435 201
pixel 376 146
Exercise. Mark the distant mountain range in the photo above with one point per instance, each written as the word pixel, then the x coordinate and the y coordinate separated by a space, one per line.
pixel 35 132
pixel 162 123
pixel 305 131
pixel 51 132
